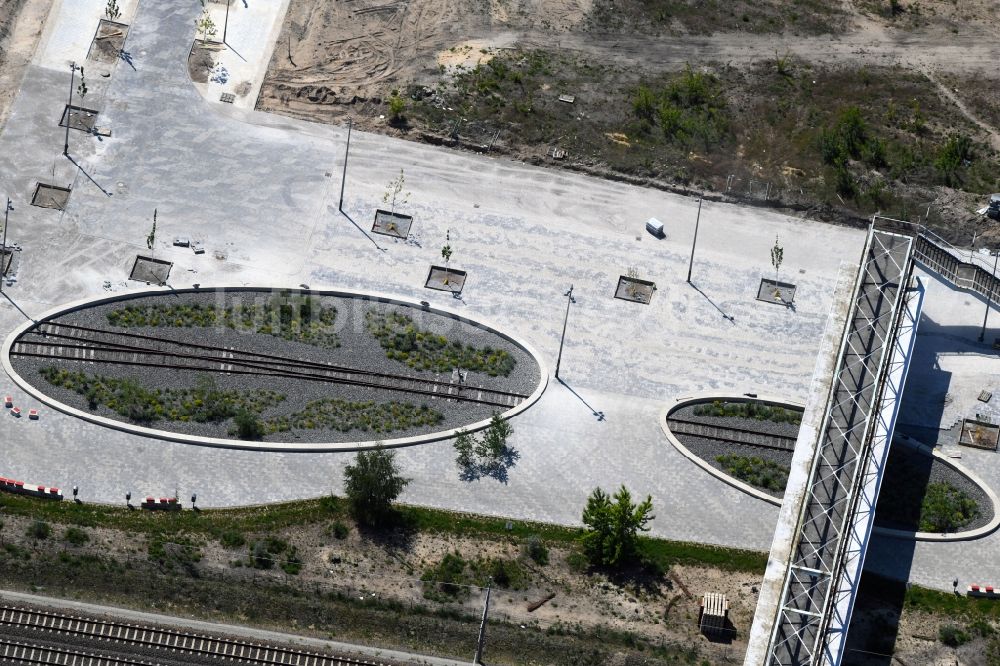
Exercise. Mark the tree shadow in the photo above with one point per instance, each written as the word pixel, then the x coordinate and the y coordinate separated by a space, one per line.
pixel 395 533
pixel 495 468
pixel 127 57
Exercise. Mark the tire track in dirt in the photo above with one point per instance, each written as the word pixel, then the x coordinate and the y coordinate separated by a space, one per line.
pixel 950 95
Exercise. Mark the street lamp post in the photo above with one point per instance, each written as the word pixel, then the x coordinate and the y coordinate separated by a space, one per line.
pixel 695 241
pixel 989 294
pixel 3 247
pixel 69 107
pixel 347 151
pixel 569 300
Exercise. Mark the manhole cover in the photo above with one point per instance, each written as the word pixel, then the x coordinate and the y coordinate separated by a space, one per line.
pixel 228 98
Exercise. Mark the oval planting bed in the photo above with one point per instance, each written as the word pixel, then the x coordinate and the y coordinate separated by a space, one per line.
pixel 748 443
pixel 273 369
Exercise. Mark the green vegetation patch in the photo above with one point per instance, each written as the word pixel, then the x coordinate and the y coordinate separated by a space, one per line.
pixel 453 577
pixel 342 415
pixel 706 17
pixel 755 471
pixel 298 319
pixel 423 350
pixel 750 410
pixel 946 509
pixel 690 111
pixel 205 403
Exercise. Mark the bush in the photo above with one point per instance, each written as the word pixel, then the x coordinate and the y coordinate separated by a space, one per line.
pixel 39 530
pixel 755 471
pixel 535 549
pixel 340 530
pixel 945 508
pixel 231 539
pixel 372 483
pixel 446 581
pixel 248 426
pixel 75 536
pixel 952 636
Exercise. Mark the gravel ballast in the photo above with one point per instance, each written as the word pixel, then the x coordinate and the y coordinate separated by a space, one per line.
pixel 358 349
pixel 908 472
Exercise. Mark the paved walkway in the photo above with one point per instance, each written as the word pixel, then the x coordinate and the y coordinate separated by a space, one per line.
pixel 262 192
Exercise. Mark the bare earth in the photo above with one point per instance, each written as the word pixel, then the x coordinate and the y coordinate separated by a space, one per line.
pixel 21 23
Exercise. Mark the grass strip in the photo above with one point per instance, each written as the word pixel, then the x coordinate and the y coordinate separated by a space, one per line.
pixel 272 517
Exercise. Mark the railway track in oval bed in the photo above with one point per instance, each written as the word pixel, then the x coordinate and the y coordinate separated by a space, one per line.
pixel 83 344
pixel 730 434
pixel 47 637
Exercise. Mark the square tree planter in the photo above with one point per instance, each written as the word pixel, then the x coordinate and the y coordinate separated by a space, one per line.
pixel 396 225
pixel 635 290
pixel 772 291
pixel 150 271
pixel 445 279
pixel 106 47
pixel 979 434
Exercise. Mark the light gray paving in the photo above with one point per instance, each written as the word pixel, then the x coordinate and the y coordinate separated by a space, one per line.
pixel 254 188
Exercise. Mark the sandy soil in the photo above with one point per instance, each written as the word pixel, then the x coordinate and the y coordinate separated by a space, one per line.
pixel 21 23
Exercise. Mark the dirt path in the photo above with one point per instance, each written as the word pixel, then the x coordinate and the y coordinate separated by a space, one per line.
pixel 989 130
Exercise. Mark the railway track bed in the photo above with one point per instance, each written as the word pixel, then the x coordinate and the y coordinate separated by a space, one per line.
pixel 34 636
pixel 319 390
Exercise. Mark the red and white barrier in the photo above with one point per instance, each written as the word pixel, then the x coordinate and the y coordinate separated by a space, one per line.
pixel 985 591
pixel 22 488
pixel 161 504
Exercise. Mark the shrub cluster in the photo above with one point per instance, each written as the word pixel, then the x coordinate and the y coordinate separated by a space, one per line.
pixel 296 319
pixel 945 508
pixel 204 403
pixel 422 350
pixel 755 471
pixel 690 110
pixel 342 415
pixel 449 579
pixel 749 410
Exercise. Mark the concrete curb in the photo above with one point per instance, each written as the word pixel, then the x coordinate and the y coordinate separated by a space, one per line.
pixel 770 499
pixel 700 462
pixel 298 447
pixel 968 535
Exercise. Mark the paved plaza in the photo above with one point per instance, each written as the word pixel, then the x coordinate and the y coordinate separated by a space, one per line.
pixel 261 193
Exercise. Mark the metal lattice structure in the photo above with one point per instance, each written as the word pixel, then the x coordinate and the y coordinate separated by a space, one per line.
pixel 834 491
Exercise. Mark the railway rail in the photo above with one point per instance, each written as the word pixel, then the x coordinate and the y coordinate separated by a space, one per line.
pixel 731 434
pixel 125 636
pixel 67 342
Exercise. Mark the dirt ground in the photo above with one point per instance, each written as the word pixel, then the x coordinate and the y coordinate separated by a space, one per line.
pixel 335 60
pixel 21 23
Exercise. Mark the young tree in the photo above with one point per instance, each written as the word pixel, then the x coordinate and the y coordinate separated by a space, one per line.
pixel 394 192
pixel 205 26
pixel 446 254
pixel 372 483
pixel 151 238
pixel 493 445
pixel 777 256
pixel 112 11
pixel 81 89
pixel 396 107
pixel 613 526
pixel 488 455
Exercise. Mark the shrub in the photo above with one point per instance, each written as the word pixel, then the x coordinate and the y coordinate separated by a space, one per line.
pixel 952 636
pixel 340 530
pixel 945 508
pixel 536 549
pixel 231 539
pixel 248 426
pixel 260 558
pixel 755 471
pixel 39 530
pixel 75 536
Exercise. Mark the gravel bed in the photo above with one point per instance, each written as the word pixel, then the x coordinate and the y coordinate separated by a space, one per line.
pixel 767 427
pixel 708 449
pixel 907 473
pixel 358 348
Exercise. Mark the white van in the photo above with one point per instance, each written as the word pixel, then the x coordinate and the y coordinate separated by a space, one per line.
pixel 655 227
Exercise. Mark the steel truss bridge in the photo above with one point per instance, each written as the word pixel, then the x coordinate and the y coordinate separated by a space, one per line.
pixel 823 532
